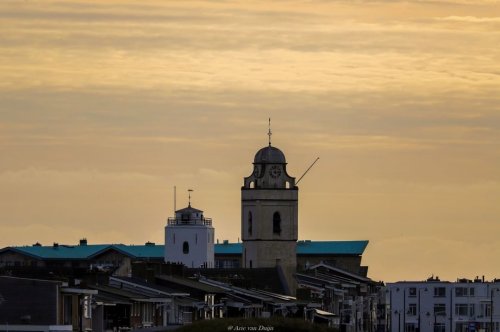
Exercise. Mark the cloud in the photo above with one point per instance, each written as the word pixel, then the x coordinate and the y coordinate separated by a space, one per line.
pixel 470 19
pixel 56 178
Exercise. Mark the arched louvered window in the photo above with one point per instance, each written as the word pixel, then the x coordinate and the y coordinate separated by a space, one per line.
pixel 250 221
pixel 277 223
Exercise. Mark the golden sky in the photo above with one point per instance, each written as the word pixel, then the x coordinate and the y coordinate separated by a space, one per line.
pixel 106 105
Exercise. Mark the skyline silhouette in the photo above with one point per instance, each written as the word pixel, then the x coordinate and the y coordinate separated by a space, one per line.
pixel 105 107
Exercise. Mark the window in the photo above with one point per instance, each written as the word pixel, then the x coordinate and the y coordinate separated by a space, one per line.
pixel 471 291
pixel 250 223
pixel 440 309
pixel 412 309
pixel 412 292
pixel 463 309
pixel 185 247
pixel 485 310
pixel 67 310
pixel 277 223
pixel 439 327
pixel 461 291
pixel 411 327
pixel 439 292
pixel 196 238
pixel 147 311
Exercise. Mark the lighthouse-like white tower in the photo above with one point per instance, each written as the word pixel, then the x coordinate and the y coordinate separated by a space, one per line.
pixel 269 214
pixel 189 239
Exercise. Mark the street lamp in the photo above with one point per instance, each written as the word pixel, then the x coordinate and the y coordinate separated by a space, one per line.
pixel 419 309
pixel 388 309
pixel 396 312
pixel 491 307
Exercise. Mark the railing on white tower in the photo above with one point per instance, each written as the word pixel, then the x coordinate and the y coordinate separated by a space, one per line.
pixel 199 221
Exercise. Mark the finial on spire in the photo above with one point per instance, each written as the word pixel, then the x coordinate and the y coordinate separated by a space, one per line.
pixel 269 133
pixel 189 194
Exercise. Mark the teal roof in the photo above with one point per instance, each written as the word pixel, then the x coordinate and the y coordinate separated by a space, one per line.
pixel 88 251
pixel 306 248
pixel 331 247
pixel 157 251
pixel 228 249
pixel 143 251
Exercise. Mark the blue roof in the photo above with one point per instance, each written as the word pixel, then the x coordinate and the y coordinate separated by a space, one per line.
pixel 61 251
pixel 143 251
pixel 306 248
pixel 89 251
pixel 157 251
pixel 331 247
pixel 229 249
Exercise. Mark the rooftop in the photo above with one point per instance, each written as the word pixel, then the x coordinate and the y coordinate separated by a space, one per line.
pixel 153 251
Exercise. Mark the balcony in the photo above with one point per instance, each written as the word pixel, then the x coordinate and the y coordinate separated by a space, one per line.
pixel 199 221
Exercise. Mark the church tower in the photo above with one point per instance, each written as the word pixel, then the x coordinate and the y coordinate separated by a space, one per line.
pixel 269 214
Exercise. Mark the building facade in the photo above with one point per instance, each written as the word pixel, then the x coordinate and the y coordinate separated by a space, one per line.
pixel 440 306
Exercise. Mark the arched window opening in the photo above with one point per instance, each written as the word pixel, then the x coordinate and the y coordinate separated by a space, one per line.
pixel 250 221
pixel 185 247
pixel 287 185
pixel 277 223
pixel 252 184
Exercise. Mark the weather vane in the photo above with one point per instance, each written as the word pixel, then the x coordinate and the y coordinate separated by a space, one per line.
pixel 189 196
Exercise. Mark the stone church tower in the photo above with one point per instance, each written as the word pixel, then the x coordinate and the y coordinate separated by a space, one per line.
pixel 269 214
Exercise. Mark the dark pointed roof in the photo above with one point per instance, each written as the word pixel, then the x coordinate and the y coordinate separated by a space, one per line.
pixel 188 209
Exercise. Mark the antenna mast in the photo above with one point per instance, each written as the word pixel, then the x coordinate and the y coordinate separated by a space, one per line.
pixel 269 133
pixel 175 199
pixel 307 170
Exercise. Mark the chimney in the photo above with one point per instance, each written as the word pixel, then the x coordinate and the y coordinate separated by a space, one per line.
pixel 83 242
pixel 56 245
pixel 150 244
pixel 37 244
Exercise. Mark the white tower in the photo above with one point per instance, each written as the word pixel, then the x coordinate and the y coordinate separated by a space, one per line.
pixel 269 214
pixel 189 239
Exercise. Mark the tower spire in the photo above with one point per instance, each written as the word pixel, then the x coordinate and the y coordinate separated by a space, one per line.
pixel 189 195
pixel 269 132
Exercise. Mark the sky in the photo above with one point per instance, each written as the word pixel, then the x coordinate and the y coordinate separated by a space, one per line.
pixel 105 106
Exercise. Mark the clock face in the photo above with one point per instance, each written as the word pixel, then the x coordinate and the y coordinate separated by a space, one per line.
pixel 275 171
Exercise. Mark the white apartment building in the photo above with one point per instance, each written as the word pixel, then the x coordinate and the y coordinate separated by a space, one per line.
pixel 442 306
